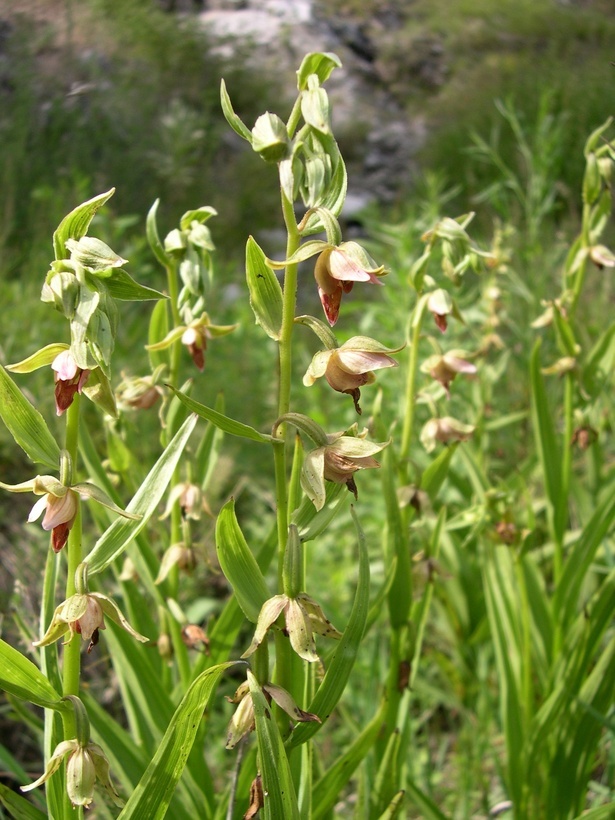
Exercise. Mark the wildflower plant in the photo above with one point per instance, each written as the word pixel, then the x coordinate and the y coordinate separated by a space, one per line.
pixel 152 753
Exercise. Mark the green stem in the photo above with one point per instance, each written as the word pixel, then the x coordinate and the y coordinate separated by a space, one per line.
pixel 173 287
pixel 285 376
pixel 410 398
pixel 73 549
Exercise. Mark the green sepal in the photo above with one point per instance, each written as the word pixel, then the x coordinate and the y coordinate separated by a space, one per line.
pixel 319 63
pixel 231 117
pixel 239 564
pixel 153 237
pixel 20 677
pixel 42 358
pixel 144 503
pixel 266 297
pixel 302 253
pixel 91 491
pixel 76 223
pixel 26 424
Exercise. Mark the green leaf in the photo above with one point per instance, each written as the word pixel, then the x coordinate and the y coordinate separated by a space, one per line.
pixel 19 676
pixel 434 475
pixel 327 789
pixel 344 655
pixel 235 428
pixel 153 237
pixel 26 424
pixel 266 297
pixel 153 794
pixel 17 806
pixel 565 599
pixel 546 442
pixel 428 809
pixel 605 812
pixel 117 537
pixel 231 117
pixel 122 286
pixel 239 564
pixel 319 63
pixel 278 788
pixel 76 223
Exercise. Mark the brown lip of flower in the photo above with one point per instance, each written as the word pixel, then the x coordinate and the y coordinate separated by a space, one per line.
pixel 69 380
pixel 60 514
pixel 350 367
pixel 336 271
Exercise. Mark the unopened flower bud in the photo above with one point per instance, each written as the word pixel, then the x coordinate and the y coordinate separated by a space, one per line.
pixel 270 138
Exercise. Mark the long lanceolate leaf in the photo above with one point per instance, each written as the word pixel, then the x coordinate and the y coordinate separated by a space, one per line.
pixel 235 428
pixel 580 559
pixel 548 449
pixel 26 424
pixel 153 794
pixel 17 806
pixel 21 677
pixel 344 656
pixel 239 564
pixel 115 539
pixel 327 790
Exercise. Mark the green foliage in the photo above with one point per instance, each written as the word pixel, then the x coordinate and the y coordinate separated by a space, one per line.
pixel 477 660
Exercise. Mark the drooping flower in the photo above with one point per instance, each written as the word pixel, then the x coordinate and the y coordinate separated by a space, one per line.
pixel 69 379
pixel 349 367
pixel 191 500
pixel 85 765
pixel 194 335
pixel 178 555
pixel 440 305
pixel 444 368
pixel 84 614
pixel 337 269
pixel 242 721
pixel 444 430
pixel 140 392
pixel 60 503
pixel 337 461
pixel 303 617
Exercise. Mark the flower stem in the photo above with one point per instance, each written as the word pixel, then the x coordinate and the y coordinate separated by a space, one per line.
pixel 413 359
pixel 72 658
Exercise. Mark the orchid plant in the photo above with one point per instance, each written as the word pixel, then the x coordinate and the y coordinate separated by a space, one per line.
pixel 167 664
